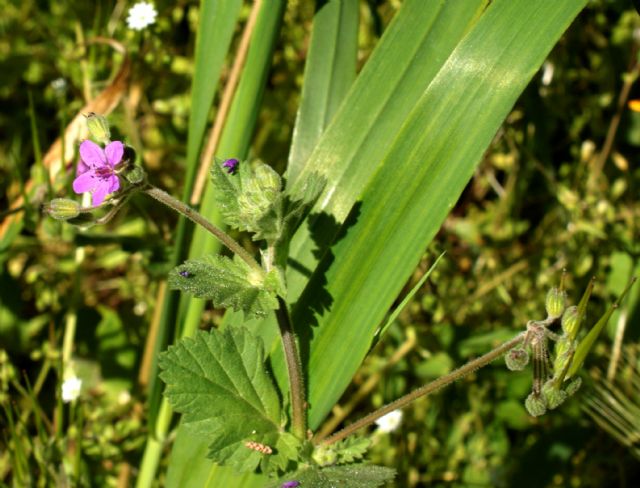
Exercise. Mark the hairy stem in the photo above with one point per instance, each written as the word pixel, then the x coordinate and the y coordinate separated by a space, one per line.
pixel 194 216
pixel 424 390
pixel 294 369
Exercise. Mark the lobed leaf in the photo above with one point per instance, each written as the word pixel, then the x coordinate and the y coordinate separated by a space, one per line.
pixel 218 381
pixel 229 284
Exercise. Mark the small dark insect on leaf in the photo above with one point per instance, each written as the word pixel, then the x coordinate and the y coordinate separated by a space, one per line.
pixel 184 273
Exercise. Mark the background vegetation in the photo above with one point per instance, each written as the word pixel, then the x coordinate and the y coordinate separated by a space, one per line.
pixel 558 189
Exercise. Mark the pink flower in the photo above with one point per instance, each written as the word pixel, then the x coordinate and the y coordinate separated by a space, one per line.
pixel 96 170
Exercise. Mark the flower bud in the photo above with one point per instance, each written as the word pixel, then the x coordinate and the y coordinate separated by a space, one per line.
pixel 231 165
pixel 535 405
pixel 62 208
pixel 555 303
pixel 571 321
pixel 135 175
pixel 324 455
pixel 98 128
pixel 553 395
pixel 516 359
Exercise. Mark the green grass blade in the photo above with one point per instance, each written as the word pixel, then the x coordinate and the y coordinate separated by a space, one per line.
pixel 416 44
pixel 418 174
pixel 329 72
pixel 218 19
pixel 215 30
pixel 405 301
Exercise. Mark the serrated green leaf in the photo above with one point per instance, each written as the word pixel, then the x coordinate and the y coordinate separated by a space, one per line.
pixel 351 476
pixel 228 283
pixel 218 381
pixel 352 449
pixel 250 199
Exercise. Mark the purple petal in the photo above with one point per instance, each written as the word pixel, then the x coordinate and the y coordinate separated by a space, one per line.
pixel 99 193
pixel 114 152
pixel 81 167
pixel 85 182
pixel 92 154
pixel 113 184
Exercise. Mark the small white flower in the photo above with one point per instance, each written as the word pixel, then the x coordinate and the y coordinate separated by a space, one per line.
pixel 390 422
pixel 71 389
pixel 59 85
pixel 547 73
pixel 141 15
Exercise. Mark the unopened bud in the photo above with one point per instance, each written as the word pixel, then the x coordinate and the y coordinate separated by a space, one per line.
pixel 516 359
pixel 555 303
pixel 98 128
pixel 571 322
pixel 553 395
pixel 535 405
pixel 62 208
pixel 324 455
pixel 267 178
pixel 135 175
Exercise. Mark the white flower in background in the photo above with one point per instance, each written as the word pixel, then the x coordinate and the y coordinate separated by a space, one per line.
pixel 59 85
pixel 71 389
pixel 390 422
pixel 547 73
pixel 141 15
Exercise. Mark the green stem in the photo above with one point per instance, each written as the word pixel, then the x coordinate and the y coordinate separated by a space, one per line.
pixel 424 390
pixel 294 369
pixel 194 216
pixel 153 448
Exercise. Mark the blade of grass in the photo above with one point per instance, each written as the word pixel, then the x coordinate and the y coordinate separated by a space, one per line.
pixel 329 72
pixel 420 178
pixel 215 31
pixel 405 301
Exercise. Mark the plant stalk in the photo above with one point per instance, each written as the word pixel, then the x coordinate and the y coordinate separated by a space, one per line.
pixel 197 218
pixel 294 369
pixel 424 390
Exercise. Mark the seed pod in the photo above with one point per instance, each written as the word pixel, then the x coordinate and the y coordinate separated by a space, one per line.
pixel 62 208
pixel 553 395
pixel 570 321
pixel 564 351
pixel 516 359
pixel 535 405
pixel 556 301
